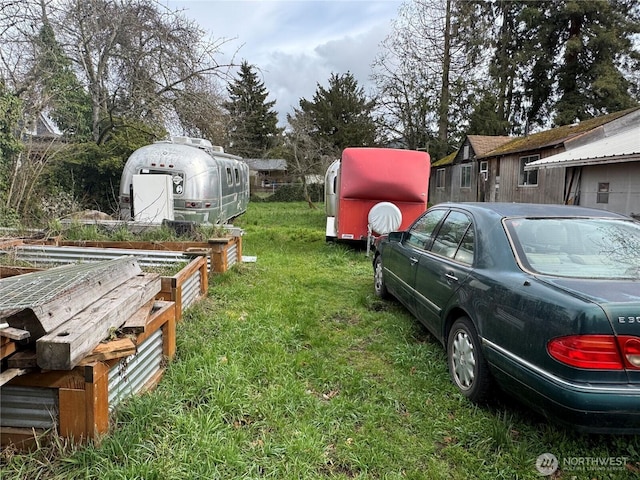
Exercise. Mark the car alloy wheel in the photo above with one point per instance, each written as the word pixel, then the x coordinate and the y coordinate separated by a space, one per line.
pixel 467 366
pixel 378 279
pixel 463 360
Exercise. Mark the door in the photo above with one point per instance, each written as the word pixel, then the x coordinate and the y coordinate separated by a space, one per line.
pixel 401 259
pixel 443 268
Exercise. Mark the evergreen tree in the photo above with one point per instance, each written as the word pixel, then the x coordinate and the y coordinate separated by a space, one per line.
pixel 342 115
pixel 10 145
pixel 69 103
pixel 579 55
pixel 506 112
pixel 557 61
pixel 253 129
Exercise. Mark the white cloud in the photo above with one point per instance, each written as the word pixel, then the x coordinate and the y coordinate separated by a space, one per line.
pixel 297 44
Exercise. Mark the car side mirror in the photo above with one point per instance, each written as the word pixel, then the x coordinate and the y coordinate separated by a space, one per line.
pixel 396 236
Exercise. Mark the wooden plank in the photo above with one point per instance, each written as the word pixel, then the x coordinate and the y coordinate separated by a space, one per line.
pixel 11 373
pixel 23 359
pixel 66 346
pixel 10 242
pixel 165 313
pixel 7 349
pixel 97 399
pixel 192 267
pixel 136 323
pixel 49 315
pixel 137 245
pixel 23 438
pixel 169 335
pixel 204 279
pixel 122 347
pixel 14 333
pixel 73 379
pixel 72 416
pixel 9 271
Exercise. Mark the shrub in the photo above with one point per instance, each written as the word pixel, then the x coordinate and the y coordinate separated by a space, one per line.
pixel 293 193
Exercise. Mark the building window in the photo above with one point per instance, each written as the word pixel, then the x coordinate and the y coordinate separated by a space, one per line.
pixel 484 169
pixel 440 173
pixel 603 193
pixel 465 152
pixel 465 176
pixel 528 177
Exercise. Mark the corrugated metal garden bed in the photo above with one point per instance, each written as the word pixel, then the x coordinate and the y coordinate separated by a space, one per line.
pixel 75 402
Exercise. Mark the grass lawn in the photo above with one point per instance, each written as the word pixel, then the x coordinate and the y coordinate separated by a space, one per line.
pixel 293 369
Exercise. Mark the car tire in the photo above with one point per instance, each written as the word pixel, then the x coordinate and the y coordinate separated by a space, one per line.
pixel 467 366
pixel 378 279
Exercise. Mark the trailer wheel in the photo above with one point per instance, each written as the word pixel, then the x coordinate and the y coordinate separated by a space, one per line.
pixel 378 279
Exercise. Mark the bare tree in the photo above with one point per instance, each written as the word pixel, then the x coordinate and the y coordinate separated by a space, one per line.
pixel 133 64
pixel 135 56
pixel 199 111
pixel 424 63
pixel 309 153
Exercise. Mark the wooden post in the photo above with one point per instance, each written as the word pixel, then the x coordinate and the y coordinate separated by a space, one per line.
pixel 72 422
pixel 238 241
pixel 169 333
pixel 96 378
pixel 204 277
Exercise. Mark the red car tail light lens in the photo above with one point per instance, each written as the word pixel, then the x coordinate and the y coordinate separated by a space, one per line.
pixel 597 352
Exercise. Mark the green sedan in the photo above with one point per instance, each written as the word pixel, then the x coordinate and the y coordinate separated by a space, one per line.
pixel 542 300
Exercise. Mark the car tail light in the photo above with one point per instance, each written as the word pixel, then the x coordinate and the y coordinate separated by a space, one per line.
pixel 630 347
pixel 193 204
pixel 597 352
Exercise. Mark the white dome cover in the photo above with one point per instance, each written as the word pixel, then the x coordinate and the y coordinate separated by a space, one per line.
pixel 384 217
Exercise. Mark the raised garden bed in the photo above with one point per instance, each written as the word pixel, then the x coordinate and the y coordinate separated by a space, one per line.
pixel 75 403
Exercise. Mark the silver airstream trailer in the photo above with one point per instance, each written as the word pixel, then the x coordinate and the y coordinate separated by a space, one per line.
pixel 330 187
pixel 207 185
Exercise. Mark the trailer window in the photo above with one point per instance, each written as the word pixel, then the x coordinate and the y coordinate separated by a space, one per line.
pixel 229 176
pixel 237 174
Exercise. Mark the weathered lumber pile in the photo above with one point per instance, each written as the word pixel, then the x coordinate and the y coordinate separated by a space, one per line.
pixel 77 339
pixel 68 311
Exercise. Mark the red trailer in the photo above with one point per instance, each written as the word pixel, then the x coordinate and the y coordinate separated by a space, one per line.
pixel 374 191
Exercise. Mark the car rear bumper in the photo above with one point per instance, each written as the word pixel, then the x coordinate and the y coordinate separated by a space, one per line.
pixel 593 408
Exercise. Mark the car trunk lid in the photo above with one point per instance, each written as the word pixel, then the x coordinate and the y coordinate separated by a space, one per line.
pixel 619 300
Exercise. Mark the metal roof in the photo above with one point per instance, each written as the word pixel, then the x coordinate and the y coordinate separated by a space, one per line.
pixel 266 164
pixel 561 136
pixel 620 147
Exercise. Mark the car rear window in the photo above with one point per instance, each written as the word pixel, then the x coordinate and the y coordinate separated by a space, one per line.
pixel 577 247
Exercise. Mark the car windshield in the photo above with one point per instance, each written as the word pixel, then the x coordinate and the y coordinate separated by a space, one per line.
pixel 577 247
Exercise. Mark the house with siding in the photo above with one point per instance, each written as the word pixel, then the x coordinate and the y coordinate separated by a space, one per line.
pixel 512 175
pixel 267 173
pixel 593 163
pixel 601 169
pixel 459 176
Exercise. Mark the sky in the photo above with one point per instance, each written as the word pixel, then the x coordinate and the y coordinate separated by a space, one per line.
pixel 296 44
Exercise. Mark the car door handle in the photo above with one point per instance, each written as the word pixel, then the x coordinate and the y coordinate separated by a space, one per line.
pixel 413 260
pixel 451 276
